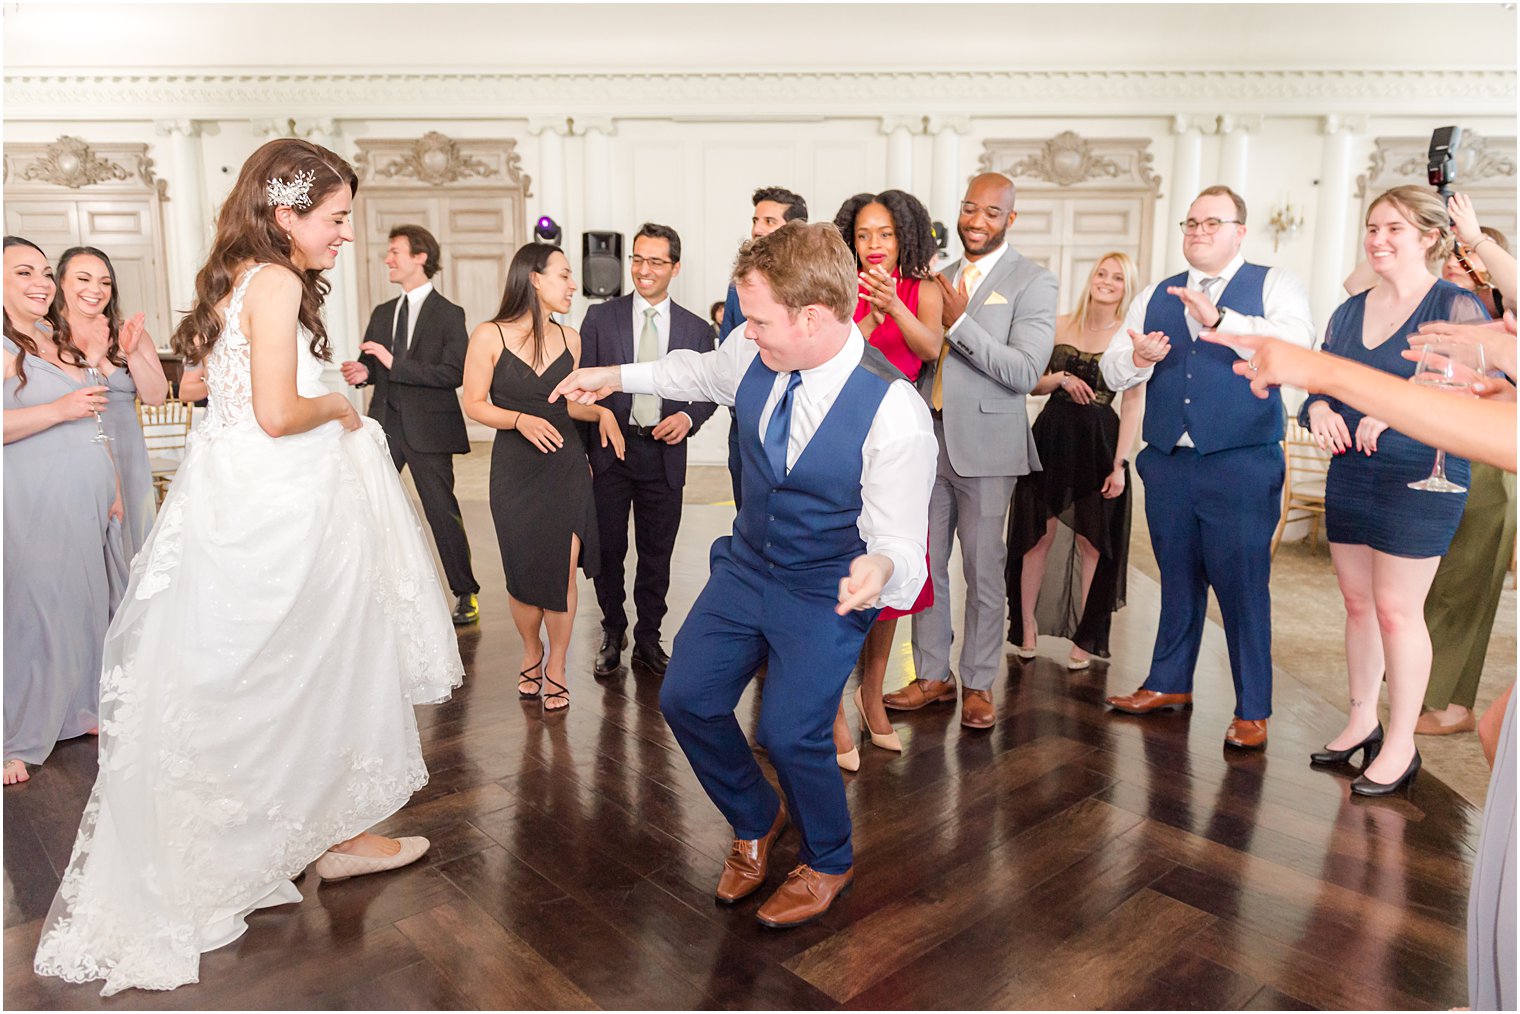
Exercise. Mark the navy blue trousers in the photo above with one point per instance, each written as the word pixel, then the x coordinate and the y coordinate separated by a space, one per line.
pixel 1211 519
pixel 744 616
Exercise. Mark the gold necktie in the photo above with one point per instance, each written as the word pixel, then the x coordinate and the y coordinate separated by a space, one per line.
pixel 969 275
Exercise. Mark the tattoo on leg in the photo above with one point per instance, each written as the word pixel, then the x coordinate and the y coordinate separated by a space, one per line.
pixel 1356 703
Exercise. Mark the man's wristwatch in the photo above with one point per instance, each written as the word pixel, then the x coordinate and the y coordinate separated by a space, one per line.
pixel 1218 319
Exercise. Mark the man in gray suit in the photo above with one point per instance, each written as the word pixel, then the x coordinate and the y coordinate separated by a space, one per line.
pixel 1000 317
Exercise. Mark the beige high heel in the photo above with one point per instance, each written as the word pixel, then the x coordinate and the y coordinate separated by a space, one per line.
pixel 887 741
pixel 850 760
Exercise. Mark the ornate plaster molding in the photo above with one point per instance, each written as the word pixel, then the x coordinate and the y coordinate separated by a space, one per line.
pixel 1070 160
pixel 74 164
pixel 251 92
pixel 438 160
pixel 1482 163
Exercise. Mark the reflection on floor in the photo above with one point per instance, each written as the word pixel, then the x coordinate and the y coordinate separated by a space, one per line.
pixel 1066 858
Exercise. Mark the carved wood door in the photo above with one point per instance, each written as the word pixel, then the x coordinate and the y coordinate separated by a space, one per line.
pixel 70 193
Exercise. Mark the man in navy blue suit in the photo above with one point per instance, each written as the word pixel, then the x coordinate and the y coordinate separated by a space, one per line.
pixel 839 455
pixel 642 327
pixel 774 207
pixel 1212 464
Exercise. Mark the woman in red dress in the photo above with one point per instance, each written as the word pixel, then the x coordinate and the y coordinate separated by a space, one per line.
pixel 893 241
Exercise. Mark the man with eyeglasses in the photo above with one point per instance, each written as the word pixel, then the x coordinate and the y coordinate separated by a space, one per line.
pixel 999 318
pixel 1212 464
pixel 638 328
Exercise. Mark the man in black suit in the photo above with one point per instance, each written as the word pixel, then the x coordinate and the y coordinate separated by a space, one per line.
pixel 639 327
pixel 774 207
pixel 413 352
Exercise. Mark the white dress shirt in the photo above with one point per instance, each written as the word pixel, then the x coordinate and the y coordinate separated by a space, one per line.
pixel 897 459
pixel 984 266
pixel 1287 316
pixel 662 328
pixel 413 308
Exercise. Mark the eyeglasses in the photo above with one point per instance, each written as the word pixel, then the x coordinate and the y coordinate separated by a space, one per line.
pixel 1207 226
pixel 654 262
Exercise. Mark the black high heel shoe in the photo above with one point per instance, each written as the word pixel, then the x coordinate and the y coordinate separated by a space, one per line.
pixel 1371 745
pixel 1364 786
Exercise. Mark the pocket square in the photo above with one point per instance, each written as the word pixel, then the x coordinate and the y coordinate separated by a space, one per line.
pixel 996 299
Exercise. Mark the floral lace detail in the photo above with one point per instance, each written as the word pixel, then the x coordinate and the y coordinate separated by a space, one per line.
pixel 229 372
pixel 151 569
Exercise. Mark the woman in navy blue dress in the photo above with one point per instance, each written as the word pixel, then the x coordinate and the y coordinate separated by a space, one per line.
pixel 1387 539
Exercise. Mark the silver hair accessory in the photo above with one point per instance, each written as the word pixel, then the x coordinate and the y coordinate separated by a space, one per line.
pixel 295 194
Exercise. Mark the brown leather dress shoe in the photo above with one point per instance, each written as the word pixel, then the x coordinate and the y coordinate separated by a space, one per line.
pixel 1445 722
pixel 977 711
pixel 1247 733
pixel 744 869
pixel 805 896
pixel 1143 702
pixel 920 693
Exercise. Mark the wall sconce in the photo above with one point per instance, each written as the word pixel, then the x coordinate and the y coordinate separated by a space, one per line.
pixel 1286 220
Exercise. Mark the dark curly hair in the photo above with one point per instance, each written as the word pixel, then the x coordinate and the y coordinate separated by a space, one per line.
pixel 910 220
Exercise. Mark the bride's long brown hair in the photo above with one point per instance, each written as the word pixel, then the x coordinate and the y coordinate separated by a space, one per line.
pixel 246 231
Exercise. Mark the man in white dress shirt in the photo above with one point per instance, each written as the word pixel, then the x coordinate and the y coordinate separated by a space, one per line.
pixel 1213 464
pixel 839 455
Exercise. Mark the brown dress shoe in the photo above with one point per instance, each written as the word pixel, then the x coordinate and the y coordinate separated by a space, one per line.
pixel 1445 722
pixel 977 711
pixel 919 693
pixel 805 896
pixel 1247 733
pixel 1143 702
pixel 744 869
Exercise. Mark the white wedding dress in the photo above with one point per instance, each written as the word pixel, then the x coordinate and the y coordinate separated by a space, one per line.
pixel 256 694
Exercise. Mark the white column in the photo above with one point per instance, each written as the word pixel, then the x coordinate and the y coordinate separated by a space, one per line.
pixel 899 131
pixel 551 169
pixel 949 182
pixel 597 168
pixel 190 220
pixel 1332 215
pixel 1234 150
pixel 1187 173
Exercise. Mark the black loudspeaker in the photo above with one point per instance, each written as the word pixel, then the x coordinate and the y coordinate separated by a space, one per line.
pixel 602 264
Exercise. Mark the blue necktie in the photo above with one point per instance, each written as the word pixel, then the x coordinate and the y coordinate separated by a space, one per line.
pixel 779 432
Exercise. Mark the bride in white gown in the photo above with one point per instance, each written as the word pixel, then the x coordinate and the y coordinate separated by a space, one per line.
pixel 281 621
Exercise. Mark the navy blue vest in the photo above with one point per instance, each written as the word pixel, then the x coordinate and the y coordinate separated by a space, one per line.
pixel 1195 387
pixel 801 527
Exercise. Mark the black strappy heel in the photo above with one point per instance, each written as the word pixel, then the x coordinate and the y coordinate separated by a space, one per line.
pixel 537 681
pixel 563 694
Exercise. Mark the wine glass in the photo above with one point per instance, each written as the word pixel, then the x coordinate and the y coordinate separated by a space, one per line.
pixel 1450 367
pixel 92 373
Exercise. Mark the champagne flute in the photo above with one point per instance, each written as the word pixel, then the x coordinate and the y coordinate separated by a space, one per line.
pixel 92 373
pixel 1450 367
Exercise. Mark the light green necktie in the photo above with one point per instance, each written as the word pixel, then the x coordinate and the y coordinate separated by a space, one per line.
pixel 646 407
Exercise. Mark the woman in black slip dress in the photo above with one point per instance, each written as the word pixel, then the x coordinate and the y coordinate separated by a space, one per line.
pixel 540 489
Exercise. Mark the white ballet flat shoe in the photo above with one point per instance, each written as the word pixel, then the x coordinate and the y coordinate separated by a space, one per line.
pixel 1025 653
pixel 1075 664
pixel 341 865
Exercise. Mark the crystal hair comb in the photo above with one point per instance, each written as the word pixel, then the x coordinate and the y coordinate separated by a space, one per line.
pixel 295 194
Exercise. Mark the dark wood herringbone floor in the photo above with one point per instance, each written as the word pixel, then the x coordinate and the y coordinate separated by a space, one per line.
pixel 1067 858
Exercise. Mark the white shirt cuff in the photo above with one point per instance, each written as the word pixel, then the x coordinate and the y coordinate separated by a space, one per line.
pixel 638 378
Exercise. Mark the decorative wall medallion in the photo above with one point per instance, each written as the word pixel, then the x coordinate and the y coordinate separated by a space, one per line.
pixel 1398 160
pixel 69 162
pixel 1070 160
pixel 1064 160
pixel 435 159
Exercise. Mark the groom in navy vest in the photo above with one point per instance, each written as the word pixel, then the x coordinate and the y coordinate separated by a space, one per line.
pixel 1213 461
pixel 838 461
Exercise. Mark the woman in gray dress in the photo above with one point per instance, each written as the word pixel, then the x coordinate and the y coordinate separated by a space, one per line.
pixel 89 316
pixel 64 567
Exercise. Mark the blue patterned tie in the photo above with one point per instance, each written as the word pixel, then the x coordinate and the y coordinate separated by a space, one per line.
pixel 779 432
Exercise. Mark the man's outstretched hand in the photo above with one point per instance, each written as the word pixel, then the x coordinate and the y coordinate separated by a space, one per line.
pixel 868 576
pixel 589 385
